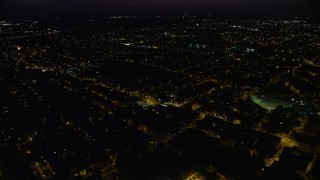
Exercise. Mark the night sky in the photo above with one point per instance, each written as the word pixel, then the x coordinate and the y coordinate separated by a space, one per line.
pixel 218 7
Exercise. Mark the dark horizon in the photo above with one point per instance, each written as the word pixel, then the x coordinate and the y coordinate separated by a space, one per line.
pixel 229 8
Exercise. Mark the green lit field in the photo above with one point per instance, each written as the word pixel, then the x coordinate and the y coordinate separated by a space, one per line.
pixel 269 104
